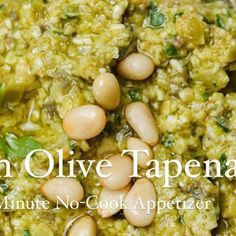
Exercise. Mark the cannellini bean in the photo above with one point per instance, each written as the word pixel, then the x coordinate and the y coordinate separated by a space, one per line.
pixel 142 121
pixel 84 226
pixel 84 122
pixel 106 90
pixel 121 170
pixel 109 198
pixel 137 215
pixel 138 144
pixel 65 188
pixel 136 66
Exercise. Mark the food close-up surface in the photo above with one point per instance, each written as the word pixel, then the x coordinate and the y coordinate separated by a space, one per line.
pixel 94 77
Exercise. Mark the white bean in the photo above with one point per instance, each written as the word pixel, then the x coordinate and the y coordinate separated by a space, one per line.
pixel 121 170
pixel 84 122
pixel 106 90
pixel 135 66
pixel 142 121
pixel 112 200
pixel 84 226
pixel 138 144
pixel 137 215
pixel 64 188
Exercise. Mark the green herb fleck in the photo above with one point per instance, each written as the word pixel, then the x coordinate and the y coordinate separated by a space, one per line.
pixel 170 50
pixel 26 233
pixel 112 117
pixel 73 146
pixel 134 95
pixel 223 166
pixel 156 18
pixel 15 147
pixel 4 189
pixel 223 123
pixel 58 33
pixel 196 192
pixel 193 129
pixel 220 22
pixel 177 15
pixel 205 19
pixel 108 128
pixel 167 140
pixel 45 1
pixel 205 95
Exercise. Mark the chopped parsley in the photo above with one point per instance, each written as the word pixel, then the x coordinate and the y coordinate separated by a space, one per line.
pixel 220 22
pixel 205 95
pixel 112 118
pixel 177 15
pixel 156 18
pixel 73 146
pixel 26 233
pixel 223 160
pixel 58 33
pixel 170 50
pixel 223 123
pixel 167 140
pixel 4 189
pixel 15 147
pixel 134 95
pixel 205 19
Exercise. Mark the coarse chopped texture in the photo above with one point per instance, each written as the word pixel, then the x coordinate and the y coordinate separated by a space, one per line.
pixel 50 53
